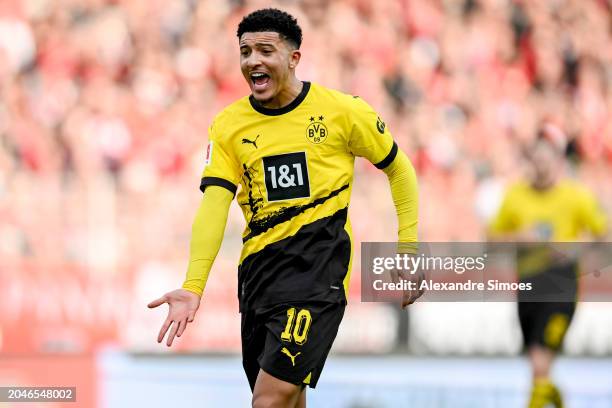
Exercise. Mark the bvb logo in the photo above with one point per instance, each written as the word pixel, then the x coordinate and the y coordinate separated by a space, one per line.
pixel 316 132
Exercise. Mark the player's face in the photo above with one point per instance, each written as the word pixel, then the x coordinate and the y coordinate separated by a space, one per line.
pixel 546 163
pixel 268 64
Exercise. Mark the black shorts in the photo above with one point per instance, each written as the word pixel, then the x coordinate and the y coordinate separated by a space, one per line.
pixel 289 341
pixel 546 323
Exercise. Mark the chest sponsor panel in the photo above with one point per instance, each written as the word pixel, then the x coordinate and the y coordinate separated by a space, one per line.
pixel 286 176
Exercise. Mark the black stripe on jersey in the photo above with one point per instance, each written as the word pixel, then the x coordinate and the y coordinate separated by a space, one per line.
pixel 389 159
pixel 308 266
pixel 285 109
pixel 259 226
pixel 218 181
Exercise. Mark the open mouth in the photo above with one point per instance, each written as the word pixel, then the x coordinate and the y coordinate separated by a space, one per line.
pixel 260 80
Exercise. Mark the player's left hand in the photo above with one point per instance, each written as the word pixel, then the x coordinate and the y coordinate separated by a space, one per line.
pixel 409 296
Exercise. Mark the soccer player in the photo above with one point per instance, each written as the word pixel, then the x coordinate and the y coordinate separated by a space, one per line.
pixel 546 209
pixel 291 147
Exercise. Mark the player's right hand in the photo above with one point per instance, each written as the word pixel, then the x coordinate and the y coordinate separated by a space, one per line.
pixel 183 306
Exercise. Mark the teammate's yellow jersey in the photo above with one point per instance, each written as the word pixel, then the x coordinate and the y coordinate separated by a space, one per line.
pixel 294 166
pixel 562 213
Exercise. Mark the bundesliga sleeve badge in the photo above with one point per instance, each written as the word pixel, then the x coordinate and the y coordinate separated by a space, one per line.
pixel 209 151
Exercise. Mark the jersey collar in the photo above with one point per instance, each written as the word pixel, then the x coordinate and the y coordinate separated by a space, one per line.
pixel 285 109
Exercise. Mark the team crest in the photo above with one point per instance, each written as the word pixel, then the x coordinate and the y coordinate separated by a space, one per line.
pixel 316 132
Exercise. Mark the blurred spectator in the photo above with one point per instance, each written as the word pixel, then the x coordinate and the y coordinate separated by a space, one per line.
pixel 109 101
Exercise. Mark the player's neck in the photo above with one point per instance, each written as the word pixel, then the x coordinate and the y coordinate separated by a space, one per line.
pixel 286 95
pixel 543 185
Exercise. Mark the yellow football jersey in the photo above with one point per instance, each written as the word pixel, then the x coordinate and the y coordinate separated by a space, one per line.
pixel 294 166
pixel 561 214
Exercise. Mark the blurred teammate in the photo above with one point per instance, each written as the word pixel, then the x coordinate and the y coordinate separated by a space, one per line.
pixel 290 146
pixel 546 208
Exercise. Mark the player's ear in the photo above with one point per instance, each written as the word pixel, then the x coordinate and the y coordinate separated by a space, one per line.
pixel 294 58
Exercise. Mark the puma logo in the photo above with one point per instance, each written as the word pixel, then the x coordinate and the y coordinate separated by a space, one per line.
pixel 292 357
pixel 253 142
pixel 380 125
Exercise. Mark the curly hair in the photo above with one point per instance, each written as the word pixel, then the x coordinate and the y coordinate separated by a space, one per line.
pixel 271 19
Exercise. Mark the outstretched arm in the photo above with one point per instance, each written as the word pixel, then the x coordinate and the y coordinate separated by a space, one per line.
pixel 207 235
pixel 405 193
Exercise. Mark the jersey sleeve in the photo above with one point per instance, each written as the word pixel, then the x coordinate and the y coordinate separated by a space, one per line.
pixel 591 216
pixel 504 221
pixel 206 237
pixel 369 136
pixel 220 167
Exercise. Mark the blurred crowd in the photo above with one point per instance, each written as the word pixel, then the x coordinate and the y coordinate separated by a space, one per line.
pixel 105 106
